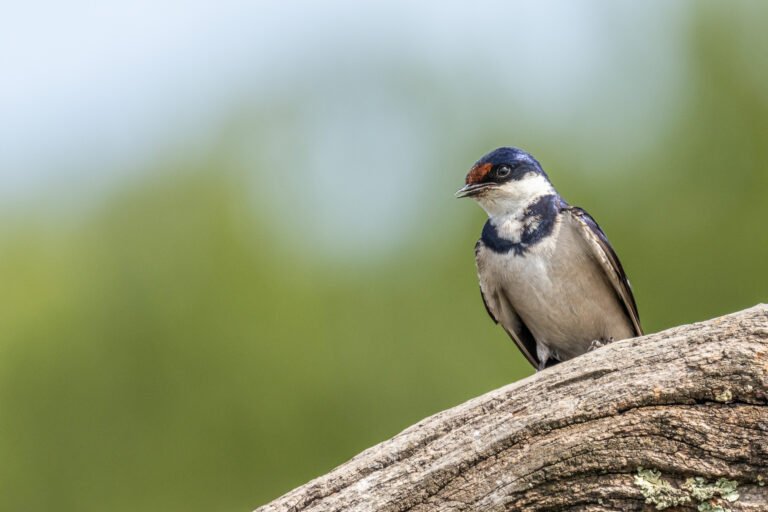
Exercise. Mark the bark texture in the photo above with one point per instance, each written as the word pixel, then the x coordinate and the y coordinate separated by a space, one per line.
pixel 688 405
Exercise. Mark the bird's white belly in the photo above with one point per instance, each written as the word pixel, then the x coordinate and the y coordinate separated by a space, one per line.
pixel 561 294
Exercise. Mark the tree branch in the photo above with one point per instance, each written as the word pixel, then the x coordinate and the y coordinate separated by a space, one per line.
pixel 688 405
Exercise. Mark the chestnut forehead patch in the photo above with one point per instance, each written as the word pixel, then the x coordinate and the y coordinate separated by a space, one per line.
pixel 478 173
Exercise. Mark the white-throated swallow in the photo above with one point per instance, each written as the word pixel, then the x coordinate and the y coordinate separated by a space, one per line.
pixel 547 272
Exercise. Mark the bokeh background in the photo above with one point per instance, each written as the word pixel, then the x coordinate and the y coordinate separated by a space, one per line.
pixel 230 254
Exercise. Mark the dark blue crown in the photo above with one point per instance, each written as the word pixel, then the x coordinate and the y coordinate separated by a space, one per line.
pixel 511 156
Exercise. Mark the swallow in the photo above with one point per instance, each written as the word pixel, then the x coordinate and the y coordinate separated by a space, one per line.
pixel 547 272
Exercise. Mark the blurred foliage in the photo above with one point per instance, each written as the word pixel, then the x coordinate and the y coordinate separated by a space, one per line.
pixel 173 351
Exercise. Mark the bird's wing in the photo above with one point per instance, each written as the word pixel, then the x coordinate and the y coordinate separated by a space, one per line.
pixel 501 312
pixel 605 255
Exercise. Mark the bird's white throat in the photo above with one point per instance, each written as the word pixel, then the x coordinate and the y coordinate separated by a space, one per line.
pixel 510 200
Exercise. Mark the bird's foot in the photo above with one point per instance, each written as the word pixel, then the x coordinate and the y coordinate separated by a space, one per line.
pixel 597 344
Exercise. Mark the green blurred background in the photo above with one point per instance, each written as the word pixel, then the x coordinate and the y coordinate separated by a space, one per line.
pixel 230 254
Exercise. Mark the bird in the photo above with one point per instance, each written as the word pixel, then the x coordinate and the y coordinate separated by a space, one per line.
pixel 547 272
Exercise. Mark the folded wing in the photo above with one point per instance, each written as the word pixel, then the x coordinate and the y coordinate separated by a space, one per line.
pixel 605 255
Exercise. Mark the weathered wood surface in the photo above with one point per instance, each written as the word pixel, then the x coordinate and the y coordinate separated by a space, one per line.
pixel 691 401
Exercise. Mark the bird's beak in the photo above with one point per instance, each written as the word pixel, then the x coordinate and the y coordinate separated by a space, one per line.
pixel 471 190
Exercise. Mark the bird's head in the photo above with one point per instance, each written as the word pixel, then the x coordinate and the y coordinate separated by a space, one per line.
pixel 506 180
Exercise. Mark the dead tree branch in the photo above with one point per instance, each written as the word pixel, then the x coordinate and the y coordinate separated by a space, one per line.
pixel 688 405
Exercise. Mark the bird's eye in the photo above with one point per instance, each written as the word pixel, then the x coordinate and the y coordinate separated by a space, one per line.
pixel 503 171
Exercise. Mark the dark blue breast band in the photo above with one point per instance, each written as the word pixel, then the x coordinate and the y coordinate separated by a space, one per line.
pixel 538 223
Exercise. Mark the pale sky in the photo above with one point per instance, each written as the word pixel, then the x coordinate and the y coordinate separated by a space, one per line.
pixel 91 90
